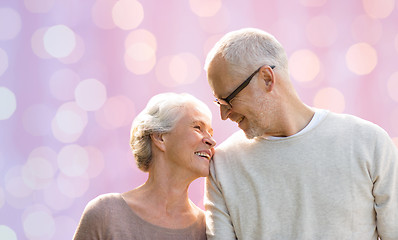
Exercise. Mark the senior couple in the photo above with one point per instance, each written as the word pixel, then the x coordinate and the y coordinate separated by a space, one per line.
pixel 292 172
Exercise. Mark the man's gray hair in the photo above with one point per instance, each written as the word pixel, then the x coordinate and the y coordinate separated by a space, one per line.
pixel 248 49
pixel 160 115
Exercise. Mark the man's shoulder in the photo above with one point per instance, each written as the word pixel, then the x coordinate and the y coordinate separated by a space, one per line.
pixel 237 138
pixel 233 148
pixel 355 122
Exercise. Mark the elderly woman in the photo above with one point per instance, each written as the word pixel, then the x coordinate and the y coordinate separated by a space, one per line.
pixel 171 139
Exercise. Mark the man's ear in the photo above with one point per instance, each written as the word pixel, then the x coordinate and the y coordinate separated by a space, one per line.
pixel 158 141
pixel 268 77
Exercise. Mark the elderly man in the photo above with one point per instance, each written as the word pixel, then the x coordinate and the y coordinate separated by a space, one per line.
pixel 294 172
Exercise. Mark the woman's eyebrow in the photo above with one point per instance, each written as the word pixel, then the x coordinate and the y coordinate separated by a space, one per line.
pixel 210 130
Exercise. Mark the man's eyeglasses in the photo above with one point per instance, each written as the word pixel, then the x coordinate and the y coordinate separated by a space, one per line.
pixel 226 101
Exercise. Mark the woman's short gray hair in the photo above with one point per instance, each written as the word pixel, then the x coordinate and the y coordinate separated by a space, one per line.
pixel 159 116
pixel 248 49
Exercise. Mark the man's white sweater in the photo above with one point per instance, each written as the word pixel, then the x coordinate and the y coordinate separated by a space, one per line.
pixel 338 180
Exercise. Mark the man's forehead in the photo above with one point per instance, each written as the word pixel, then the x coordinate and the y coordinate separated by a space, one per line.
pixel 219 78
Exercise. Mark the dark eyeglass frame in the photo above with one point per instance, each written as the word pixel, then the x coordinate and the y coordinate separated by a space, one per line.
pixel 226 101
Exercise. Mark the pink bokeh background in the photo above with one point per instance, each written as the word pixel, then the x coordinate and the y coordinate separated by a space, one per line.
pixel 74 74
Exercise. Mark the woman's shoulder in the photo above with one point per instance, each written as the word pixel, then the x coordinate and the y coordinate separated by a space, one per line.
pixel 104 201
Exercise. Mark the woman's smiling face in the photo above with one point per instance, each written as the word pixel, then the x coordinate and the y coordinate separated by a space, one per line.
pixel 190 145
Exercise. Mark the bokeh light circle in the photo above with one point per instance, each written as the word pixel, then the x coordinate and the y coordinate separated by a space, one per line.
pixel 205 8
pixel 140 58
pixel 37 44
pixel 330 98
pixel 361 58
pixel 39 6
pixel 304 65
pixel 141 36
pixel 76 54
pixel 38 173
pixel 378 8
pixel 395 140
pixel 6 233
pixel 10 23
pixel 118 111
pixel 2 199
pixel 70 118
pixel 65 227
pixel 73 187
pixel 38 223
pixel 69 122
pixel 127 14
pixel 392 86
pixel 90 94
pixel 15 184
pixel 3 61
pixel 8 103
pixel 185 68
pixel 73 160
pixel 59 41
pixel 140 51
pixel 321 31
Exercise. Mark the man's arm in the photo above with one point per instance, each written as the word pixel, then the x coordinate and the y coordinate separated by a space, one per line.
pixel 218 221
pixel 385 189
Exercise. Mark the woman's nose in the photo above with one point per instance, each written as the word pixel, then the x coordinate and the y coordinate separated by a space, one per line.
pixel 210 141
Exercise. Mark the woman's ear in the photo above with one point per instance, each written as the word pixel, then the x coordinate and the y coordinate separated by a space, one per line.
pixel 158 141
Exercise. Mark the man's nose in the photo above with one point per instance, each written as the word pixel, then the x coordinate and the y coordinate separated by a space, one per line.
pixel 225 111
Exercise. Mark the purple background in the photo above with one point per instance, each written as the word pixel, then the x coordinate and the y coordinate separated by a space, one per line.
pixel 74 74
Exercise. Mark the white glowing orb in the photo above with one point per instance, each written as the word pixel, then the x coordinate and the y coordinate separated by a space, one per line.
pixel 39 224
pixel 205 8
pixel 73 160
pixel 90 94
pixel 7 233
pixel 361 58
pixel 38 173
pixel 69 122
pixel 378 8
pixel 10 23
pixel 59 41
pixel 304 65
pixel 127 14
pixel 3 61
pixel 73 187
pixel 8 103
pixel 330 98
